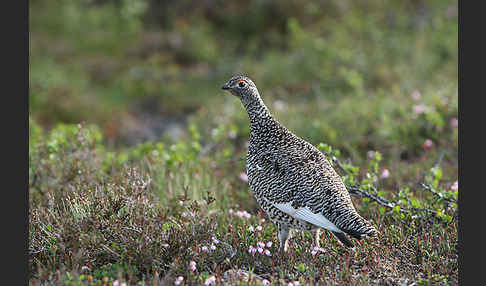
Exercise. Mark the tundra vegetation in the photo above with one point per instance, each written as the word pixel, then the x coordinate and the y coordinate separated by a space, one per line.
pixel 136 158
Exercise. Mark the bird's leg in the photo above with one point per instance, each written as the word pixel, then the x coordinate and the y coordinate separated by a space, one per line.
pixel 283 236
pixel 317 233
pixel 316 243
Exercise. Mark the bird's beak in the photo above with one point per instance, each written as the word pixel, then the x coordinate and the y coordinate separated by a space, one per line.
pixel 225 87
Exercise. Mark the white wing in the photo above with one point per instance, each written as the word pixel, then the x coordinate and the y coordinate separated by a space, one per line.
pixel 307 215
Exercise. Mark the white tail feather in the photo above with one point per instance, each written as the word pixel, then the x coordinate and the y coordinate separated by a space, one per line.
pixel 307 215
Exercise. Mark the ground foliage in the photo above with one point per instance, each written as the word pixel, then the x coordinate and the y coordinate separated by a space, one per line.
pixel 136 160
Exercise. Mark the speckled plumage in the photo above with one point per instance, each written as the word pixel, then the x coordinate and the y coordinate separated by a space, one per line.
pixel 291 179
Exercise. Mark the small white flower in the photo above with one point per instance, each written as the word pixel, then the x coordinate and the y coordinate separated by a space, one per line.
pixel 265 282
pixel 455 186
pixel 251 228
pixel 267 252
pixel 204 248
pixel 419 108
pixel 428 144
pixel 230 211
pixel 178 280
pixel 269 244
pixel 385 174
pixel 259 228
pixel 263 220
pixel 454 122
pixel 210 280
pixel 212 247
pixel 243 177
pixel 116 283
pixel 192 265
pixel 261 244
pixel 260 250
pixel 181 203
pixel 215 240
pixel 415 95
pixel 370 154
pixel 246 214
pixel 243 214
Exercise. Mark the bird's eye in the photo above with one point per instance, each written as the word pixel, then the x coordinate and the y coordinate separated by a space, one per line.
pixel 241 84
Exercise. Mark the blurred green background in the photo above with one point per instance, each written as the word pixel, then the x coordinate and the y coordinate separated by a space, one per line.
pixel 357 75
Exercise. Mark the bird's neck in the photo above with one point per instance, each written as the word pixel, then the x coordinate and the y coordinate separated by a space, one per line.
pixel 257 110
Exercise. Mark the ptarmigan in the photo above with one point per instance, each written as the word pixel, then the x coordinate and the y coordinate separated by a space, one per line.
pixel 291 179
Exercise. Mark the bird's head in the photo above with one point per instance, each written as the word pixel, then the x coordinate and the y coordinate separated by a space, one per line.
pixel 242 87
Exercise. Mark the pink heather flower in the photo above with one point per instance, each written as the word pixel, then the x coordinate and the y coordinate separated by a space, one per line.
pixel 123 284
pixel 263 220
pixel 181 203
pixel 251 228
pixel 455 186
pixel 246 214
pixel 178 280
pixel 192 265
pixel 210 280
pixel 428 144
pixel 267 252
pixel 296 283
pixel 419 108
pixel 261 244
pixel 374 179
pixel 454 122
pixel 116 283
pixel 370 154
pixel 385 174
pixel 212 247
pixel 269 244
pixel 215 240
pixel 230 211
pixel 252 250
pixel 85 268
pixel 204 248
pixel 260 250
pixel 243 177
pixel 415 95
pixel 265 282
pixel 259 228
pixel 314 251
pixel 243 214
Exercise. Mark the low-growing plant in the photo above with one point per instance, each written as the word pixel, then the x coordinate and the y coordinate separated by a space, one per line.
pixel 151 221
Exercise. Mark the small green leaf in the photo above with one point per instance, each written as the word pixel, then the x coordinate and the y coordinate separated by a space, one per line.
pixel 301 267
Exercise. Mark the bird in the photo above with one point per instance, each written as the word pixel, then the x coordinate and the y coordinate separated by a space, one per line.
pixel 292 181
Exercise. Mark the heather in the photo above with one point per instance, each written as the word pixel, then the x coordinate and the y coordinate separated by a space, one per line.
pixel 136 157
